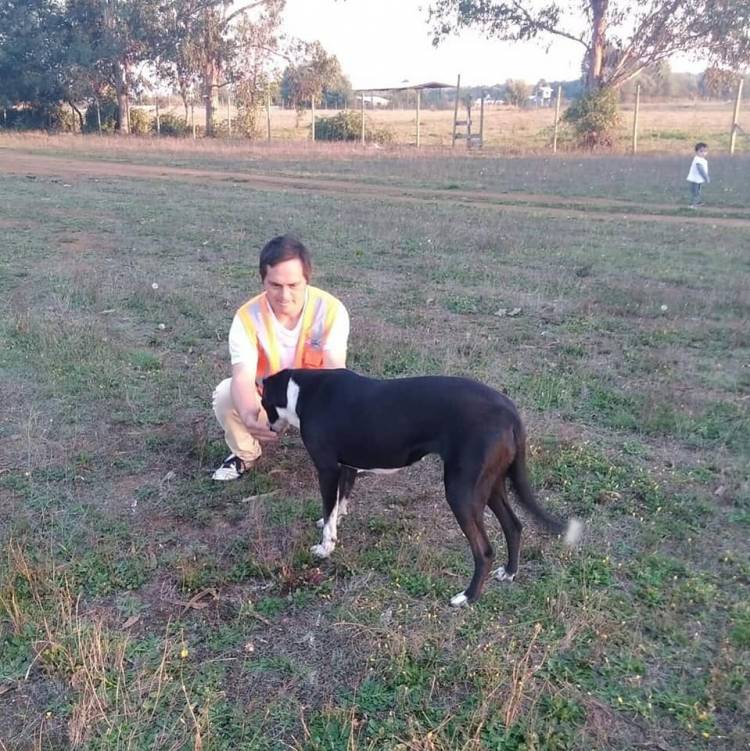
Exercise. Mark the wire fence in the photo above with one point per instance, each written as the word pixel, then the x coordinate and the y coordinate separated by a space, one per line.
pixel 661 126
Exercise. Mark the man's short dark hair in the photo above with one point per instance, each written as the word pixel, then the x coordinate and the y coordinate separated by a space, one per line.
pixel 701 145
pixel 285 248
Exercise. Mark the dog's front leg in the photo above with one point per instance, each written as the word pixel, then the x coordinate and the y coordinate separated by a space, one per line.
pixel 329 483
pixel 347 476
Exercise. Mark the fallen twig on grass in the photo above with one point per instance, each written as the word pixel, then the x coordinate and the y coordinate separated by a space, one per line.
pixel 195 601
pixel 259 497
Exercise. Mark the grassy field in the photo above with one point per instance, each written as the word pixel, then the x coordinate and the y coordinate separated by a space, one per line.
pixel 143 606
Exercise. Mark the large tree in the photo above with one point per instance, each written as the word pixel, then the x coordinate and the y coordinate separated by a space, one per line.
pixel 727 24
pixel 110 42
pixel 313 73
pixel 618 38
pixel 32 53
pixel 208 36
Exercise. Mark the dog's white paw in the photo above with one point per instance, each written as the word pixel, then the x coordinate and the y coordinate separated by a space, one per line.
pixel 321 551
pixel 459 600
pixel 502 575
pixel 320 523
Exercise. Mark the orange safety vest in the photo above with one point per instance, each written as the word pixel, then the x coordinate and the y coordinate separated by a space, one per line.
pixel 318 316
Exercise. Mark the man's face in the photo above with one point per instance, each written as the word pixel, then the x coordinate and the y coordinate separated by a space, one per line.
pixel 703 152
pixel 285 287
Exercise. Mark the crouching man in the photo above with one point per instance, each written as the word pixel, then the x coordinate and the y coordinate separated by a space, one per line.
pixel 290 324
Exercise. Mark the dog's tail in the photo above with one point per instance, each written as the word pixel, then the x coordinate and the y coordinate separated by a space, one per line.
pixel 519 478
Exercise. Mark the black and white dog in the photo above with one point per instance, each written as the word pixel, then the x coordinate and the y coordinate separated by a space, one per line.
pixel 350 423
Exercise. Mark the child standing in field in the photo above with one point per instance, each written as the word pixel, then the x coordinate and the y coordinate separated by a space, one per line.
pixel 698 174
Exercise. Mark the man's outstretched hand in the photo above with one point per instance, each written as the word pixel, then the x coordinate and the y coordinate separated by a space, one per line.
pixel 259 429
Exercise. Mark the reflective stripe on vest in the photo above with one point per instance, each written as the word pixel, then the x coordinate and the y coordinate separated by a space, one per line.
pixel 318 316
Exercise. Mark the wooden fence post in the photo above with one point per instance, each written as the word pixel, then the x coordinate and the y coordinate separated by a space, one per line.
pixel 268 115
pixel 455 110
pixel 636 112
pixel 481 122
pixel 363 117
pixel 312 125
pixel 158 119
pixel 192 117
pixel 419 101
pixel 557 118
pixel 736 117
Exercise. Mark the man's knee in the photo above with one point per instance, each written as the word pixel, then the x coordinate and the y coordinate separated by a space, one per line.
pixel 222 398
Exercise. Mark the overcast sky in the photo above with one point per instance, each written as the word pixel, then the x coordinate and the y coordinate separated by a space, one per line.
pixel 383 42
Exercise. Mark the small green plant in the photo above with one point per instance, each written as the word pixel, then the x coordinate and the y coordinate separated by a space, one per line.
pixel 347 126
pixel 140 122
pixel 739 634
pixel 53 117
pixel 144 361
pixel 594 117
pixel 171 125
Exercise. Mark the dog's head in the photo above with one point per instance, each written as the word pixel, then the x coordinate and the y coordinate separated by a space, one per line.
pixel 279 400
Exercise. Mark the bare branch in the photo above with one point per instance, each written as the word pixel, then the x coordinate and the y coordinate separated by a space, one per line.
pixel 546 27
pixel 245 8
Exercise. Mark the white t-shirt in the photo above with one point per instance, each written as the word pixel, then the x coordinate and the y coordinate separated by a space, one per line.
pixel 244 351
pixel 694 176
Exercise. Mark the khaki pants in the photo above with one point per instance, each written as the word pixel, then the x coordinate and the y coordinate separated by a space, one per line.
pixel 238 439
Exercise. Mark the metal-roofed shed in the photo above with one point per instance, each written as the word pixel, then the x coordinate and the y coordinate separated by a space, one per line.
pixel 403 86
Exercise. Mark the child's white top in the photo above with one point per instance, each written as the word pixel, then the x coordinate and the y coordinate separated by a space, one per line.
pixel 694 176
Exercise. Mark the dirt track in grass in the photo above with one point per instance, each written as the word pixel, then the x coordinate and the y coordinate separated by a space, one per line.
pixel 602 209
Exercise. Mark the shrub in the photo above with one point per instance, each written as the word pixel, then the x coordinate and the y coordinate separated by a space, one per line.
pixel 347 126
pixel 52 117
pixel 241 126
pixel 382 136
pixel 171 125
pixel 594 117
pixel 140 122
pixel 344 126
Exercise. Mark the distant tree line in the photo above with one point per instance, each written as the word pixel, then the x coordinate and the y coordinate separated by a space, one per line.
pixel 660 82
pixel 100 56
pixel 657 81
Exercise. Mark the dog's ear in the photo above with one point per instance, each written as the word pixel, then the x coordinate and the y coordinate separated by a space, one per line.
pixel 274 388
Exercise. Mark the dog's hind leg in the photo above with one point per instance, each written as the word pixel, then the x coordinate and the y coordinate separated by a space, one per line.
pixel 468 508
pixel 512 527
pixel 346 483
pixel 329 484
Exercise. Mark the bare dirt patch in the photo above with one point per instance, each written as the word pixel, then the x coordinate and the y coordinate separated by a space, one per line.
pixel 593 208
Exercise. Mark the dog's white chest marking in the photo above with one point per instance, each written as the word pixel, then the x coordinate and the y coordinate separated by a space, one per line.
pixel 289 413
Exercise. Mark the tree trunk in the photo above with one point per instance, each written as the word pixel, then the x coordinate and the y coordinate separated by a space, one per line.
pixel 79 114
pixel 123 105
pixel 210 67
pixel 596 49
pixel 210 89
